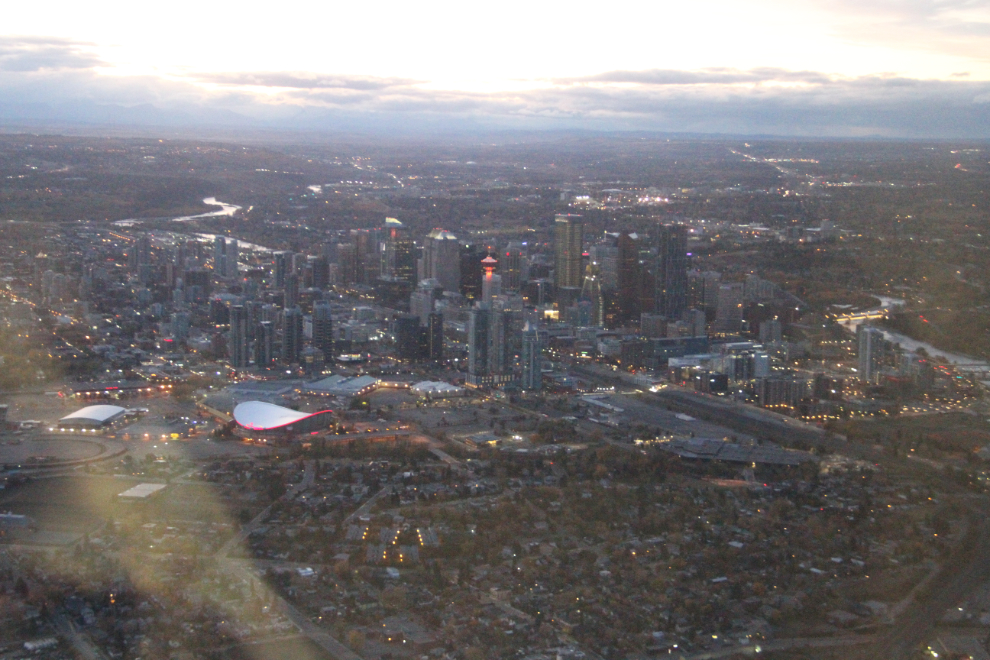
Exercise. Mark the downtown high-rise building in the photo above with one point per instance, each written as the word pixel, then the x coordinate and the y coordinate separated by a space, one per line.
pixel 629 278
pixel 442 259
pixel 220 267
pixel 478 338
pixel 264 345
pixel 671 274
pixel 434 336
pixel 409 337
pixel 729 309
pixel 532 378
pixel 317 273
pixel 346 264
pixel 870 346
pixel 292 335
pixel 471 271
pixel 513 264
pixel 142 251
pixel 399 257
pixel 703 289
pixel 499 327
pixel 323 329
pixel 366 263
pixel 280 268
pixel 591 293
pixel 567 250
pixel 238 344
pixel 290 294
pixel 231 259
pixel 606 257
pixel 422 300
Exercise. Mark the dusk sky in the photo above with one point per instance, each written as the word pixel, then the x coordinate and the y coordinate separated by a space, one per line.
pixel 911 68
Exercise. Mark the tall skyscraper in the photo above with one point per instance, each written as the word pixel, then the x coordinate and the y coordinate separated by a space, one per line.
pixel 291 292
pixel 346 264
pixel 434 336
pixel 399 261
pixel 280 268
pixel 591 293
pixel 442 259
pixel 298 264
pixel 408 338
pixel 471 272
pixel 606 257
pixel 219 256
pixel 366 266
pixel 704 288
pixel 567 235
pixel 264 344
pixel 478 322
pixel 512 266
pixel 143 248
pixel 238 346
pixel 422 299
pixel 498 341
pixel 729 312
pixel 870 342
pixel 231 258
pixel 672 267
pixel 292 335
pixel 323 329
pixel 532 378
pixel 629 280
pixel 318 272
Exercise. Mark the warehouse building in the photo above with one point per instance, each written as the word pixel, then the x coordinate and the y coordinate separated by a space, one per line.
pixel 92 418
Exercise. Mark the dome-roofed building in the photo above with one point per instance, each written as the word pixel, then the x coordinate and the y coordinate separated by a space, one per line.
pixel 92 417
pixel 268 420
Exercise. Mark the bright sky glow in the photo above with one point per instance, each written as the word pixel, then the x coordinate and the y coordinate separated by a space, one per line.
pixel 457 44
pixel 851 67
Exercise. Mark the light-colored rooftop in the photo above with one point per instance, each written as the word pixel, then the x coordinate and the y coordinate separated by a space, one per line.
pixel 98 414
pixel 435 387
pixel 342 385
pixel 258 415
pixel 142 491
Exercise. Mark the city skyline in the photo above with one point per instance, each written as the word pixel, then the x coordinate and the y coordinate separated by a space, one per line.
pixel 621 397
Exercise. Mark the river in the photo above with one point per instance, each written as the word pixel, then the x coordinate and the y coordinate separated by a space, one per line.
pixel 963 362
pixel 225 209
pixel 243 245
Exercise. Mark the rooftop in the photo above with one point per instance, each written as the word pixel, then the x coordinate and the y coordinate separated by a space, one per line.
pixel 341 385
pixel 261 416
pixel 99 414
pixel 142 491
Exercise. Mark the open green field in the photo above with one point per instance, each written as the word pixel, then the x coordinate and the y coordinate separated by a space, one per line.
pixel 65 504
pixel 81 504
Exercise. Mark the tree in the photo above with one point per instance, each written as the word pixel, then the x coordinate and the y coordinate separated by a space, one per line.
pixel 355 639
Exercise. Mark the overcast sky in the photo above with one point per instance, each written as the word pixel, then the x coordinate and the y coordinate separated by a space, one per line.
pixel 912 68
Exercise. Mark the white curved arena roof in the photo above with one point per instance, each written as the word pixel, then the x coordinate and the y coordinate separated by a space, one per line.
pixel 94 415
pixel 260 416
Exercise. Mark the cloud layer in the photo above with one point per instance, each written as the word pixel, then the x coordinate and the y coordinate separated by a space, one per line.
pixel 28 54
pixel 58 82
